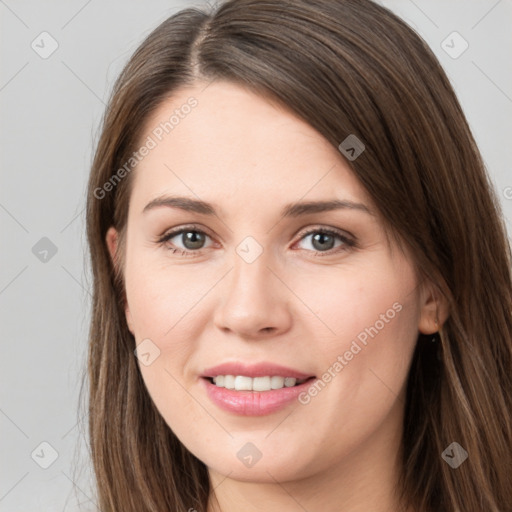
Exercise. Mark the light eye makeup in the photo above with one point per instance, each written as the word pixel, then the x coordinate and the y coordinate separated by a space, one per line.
pixel 318 234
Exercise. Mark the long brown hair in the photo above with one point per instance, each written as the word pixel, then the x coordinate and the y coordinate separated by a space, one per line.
pixel 345 67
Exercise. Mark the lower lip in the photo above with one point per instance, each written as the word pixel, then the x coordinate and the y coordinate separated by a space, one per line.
pixel 253 403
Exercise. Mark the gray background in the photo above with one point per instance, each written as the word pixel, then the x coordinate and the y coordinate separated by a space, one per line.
pixel 50 113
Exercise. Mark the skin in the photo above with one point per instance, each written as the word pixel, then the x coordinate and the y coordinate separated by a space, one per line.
pixel 294 305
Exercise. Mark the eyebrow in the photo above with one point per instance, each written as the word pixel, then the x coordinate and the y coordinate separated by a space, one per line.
pixel 291 210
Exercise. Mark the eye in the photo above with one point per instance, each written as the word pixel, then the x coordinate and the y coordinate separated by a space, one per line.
pixel 191 238
pixel 323 241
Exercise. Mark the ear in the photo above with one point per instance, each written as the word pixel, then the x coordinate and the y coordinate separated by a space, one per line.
pixel 112 240
pixel 434 309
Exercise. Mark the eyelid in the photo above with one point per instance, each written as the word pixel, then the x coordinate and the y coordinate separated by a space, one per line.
pixel 171 233
pixel 349 240
pixel 328 229
pixel 300 234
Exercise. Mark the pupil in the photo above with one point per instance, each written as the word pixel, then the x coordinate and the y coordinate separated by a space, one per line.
pixel 193 240
pixel 321 237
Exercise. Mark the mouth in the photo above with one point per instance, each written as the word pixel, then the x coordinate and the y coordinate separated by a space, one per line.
pixel 255 388
pixel 231 374
pixel 254 396
pixel 259 384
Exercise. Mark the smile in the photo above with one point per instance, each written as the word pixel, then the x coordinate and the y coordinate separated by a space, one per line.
pixel 265 383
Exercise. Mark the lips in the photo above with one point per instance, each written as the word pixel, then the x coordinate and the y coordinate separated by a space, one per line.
pixel 262 369
pixel 254 403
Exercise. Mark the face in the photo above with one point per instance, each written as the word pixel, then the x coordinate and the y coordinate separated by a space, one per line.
pixel 248 281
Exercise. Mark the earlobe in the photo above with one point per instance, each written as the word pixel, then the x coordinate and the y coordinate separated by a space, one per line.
pixel 434 311
pixel 129 319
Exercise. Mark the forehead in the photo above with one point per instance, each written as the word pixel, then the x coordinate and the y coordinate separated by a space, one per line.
pixel 223 139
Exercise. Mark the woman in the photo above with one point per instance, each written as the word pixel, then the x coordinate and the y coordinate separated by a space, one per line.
pixel 237 364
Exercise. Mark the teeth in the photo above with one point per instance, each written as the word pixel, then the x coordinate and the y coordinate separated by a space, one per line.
pixel 276 382
pixel 229 382
pixel 243 383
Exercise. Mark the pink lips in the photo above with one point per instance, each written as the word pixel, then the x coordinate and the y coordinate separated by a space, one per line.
pixel 253 403
pixel 254 370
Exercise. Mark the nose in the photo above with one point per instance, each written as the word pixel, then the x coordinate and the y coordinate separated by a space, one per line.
pixel 256 304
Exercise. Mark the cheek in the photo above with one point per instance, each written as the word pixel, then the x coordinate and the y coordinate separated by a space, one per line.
pixel 364 332
pixel 162 311
pixel 162 297
pixel 166 304
pixel 358 302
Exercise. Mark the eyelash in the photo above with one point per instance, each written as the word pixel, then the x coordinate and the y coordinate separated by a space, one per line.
pixel 348 243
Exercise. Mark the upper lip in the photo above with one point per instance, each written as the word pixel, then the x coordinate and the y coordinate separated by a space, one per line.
pixel 262 369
